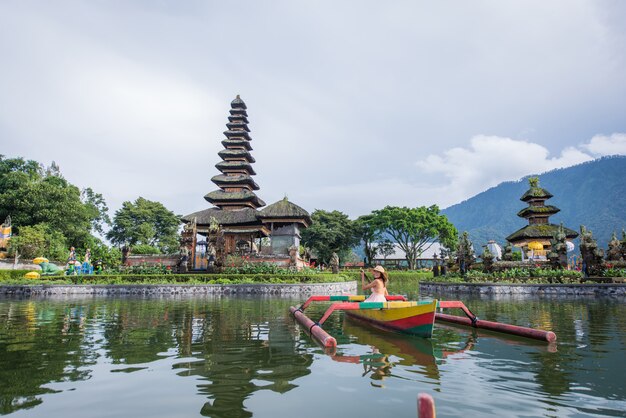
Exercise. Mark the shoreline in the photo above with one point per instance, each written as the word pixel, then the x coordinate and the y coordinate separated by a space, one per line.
pixel 165 289
pixel 596 289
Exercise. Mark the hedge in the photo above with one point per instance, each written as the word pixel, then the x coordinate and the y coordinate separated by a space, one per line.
pixel 18 278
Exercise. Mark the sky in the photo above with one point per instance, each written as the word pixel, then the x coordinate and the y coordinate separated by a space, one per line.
pixel 353 105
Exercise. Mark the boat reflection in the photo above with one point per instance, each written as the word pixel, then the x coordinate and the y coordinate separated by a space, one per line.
pixel 390 349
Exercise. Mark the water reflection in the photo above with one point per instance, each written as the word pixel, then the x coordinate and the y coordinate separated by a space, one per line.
pixel 234 350
pixel 387 350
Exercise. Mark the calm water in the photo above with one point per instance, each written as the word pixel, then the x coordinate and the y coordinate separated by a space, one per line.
pixel 242 357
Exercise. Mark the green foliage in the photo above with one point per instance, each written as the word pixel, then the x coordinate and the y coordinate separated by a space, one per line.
pixel 256 268
pixel 97 209
pixel 188 279
pixel 516 275
pixel 414 229
pixel 145 222
pixel 615 272
pixel 39 240
pixel 330 232
pixel 111 257
pixel 7 275
pixel 145 249
pixel 372 238
pixel 33 195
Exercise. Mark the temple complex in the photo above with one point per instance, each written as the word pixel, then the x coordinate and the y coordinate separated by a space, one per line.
pixel 235 209
pixel 535 238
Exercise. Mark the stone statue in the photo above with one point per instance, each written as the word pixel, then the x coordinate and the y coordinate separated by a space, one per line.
pixel 446 259
pixel 334 263
pixel 614 252
pixel 465 253
pixel 293 256
pixel 183 258
pixel 435 265
pixel 125 253
pixel 558 250
pixel 508 252
pixel 488 258
pixel 48 269
pixel 591 255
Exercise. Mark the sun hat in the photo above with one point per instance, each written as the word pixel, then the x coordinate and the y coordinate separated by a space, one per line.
pixel 379 269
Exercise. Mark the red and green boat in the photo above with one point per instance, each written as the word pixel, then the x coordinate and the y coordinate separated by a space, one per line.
pixel 398 314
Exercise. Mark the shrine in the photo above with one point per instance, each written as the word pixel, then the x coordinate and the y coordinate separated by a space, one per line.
pixel 535 239
pixel 268 235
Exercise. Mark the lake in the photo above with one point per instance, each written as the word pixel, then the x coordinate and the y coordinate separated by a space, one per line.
pixel 245 356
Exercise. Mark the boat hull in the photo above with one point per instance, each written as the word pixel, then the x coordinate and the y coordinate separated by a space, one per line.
pixel 403 317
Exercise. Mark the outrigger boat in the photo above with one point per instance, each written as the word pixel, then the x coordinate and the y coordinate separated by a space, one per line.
pixel 401 315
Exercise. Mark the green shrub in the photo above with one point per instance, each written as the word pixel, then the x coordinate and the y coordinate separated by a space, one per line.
pixel 615 272
pixel 6 275
pixel 144 249
pixel 17 277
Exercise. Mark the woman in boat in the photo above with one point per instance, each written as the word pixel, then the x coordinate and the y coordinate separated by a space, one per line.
pixel 378 285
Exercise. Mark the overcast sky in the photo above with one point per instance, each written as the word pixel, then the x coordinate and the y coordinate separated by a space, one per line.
pixel 353 105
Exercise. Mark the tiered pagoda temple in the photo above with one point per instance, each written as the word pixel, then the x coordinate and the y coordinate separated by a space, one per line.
pixel 236 205
pixel 536 236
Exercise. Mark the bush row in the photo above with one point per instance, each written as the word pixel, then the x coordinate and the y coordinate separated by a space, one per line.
pixel 18 278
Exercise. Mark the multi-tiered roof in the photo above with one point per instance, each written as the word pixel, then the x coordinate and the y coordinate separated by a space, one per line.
pixel 538 214
pixel 236 186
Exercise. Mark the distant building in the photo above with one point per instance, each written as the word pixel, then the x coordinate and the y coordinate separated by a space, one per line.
pixel 398 258
pixel 534 239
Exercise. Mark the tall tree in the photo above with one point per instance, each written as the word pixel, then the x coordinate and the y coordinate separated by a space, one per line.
pixel 371 237
pixel 330 232
pixel 414 230
pixel 145 222
pixel 33 195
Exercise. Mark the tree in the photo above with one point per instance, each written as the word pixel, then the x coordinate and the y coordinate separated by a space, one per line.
pixel 34 195
pixel 414 230
pixel 330 232
pixel 38 241
pixel 374 241
pixel 366 232
pixel 97 209
pixel 145 222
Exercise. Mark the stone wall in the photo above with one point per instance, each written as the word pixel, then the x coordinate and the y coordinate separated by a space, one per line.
pixel 524 289
pixel 243 289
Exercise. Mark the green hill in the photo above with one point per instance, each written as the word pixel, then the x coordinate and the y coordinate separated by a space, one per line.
pixel 591 194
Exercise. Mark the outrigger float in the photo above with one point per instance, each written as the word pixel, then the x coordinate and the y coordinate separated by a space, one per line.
pixel 401 315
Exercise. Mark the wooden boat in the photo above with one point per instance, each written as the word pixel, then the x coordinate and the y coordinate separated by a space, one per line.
pixel 415 318
pixel 400 315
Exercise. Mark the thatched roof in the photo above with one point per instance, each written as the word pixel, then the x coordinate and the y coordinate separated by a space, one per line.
pixel 538 210
pixel 238 103
pixel 223 180
pixel 244 195
pixel 236 153
pixel 224 217
pixel 237 134
pixel 535 192
pixel 237 142
pixel 284 209
pixel 235 165
pixel 539 231
pixel 238 125
pixel 238 118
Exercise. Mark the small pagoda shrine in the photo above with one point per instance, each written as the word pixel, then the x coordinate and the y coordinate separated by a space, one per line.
pixel 236 207
pixel 535 238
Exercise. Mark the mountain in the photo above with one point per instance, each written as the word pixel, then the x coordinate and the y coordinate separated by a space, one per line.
pixel 591 194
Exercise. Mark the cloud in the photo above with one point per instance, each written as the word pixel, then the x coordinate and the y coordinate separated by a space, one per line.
pixel 601 145
pixel 131 98
pixel 489 160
